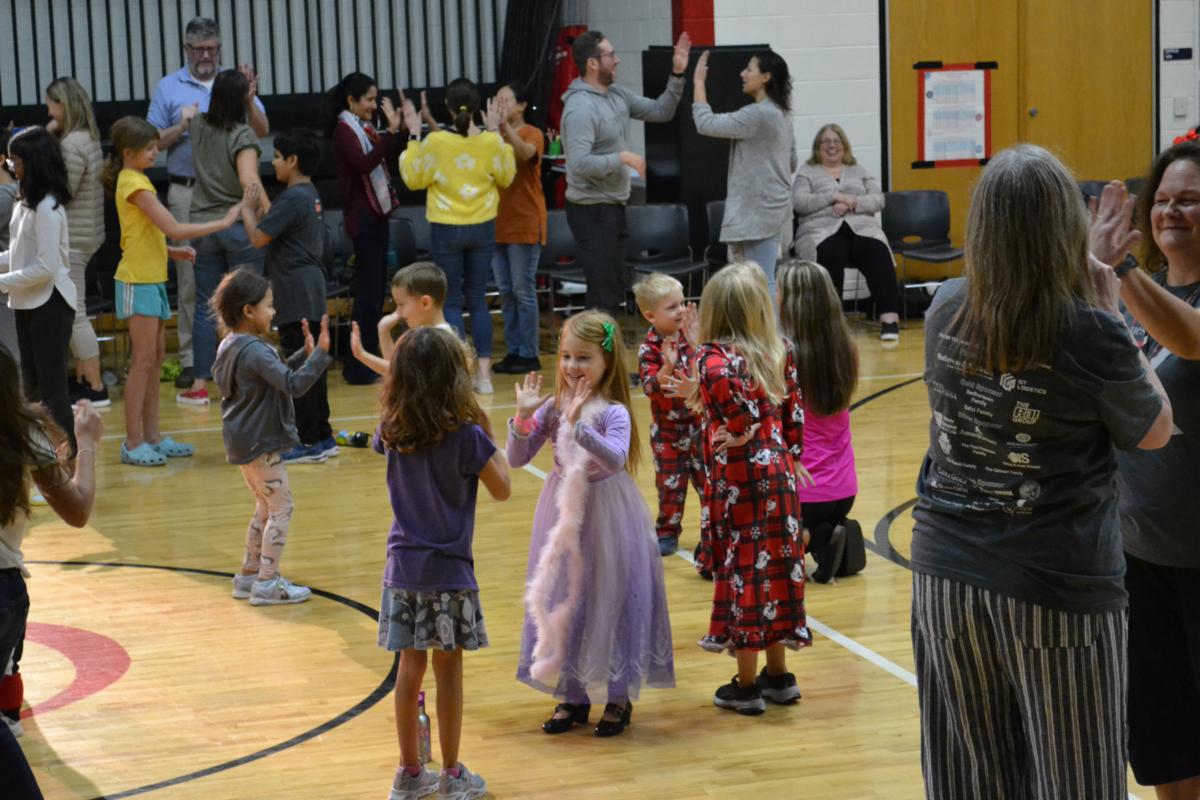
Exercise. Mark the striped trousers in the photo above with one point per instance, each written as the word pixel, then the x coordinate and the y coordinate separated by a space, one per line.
pixel 1017 700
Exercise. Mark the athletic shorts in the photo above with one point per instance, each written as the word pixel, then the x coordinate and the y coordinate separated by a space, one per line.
pixel 142 300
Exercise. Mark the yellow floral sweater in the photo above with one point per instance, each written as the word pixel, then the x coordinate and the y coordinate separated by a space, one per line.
pixel 461 174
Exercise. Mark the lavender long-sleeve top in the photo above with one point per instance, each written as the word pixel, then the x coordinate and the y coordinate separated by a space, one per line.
pixel 606 439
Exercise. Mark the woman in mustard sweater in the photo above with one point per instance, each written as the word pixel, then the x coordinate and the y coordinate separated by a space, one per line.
pixel 461 170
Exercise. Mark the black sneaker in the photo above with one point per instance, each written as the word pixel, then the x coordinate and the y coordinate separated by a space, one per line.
pixel 185 379
pixel 508 365
pixel 889 332
pixel 829 558
pixel 744 700
pixel 667 546
pixel 781 689
pixel 525 365
pixel 98 397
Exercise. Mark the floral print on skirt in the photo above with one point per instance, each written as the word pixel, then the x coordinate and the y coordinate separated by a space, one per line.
pixel 442 620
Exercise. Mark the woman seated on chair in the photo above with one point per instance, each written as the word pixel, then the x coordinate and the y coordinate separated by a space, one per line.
pixel 836 200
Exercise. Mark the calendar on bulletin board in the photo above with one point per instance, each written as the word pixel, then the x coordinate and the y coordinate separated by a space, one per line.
pixel 954 114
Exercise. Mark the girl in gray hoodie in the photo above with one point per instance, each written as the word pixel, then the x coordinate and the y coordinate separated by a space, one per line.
pixel 258 423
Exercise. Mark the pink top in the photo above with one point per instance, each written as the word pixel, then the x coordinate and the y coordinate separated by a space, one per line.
pixel 829 457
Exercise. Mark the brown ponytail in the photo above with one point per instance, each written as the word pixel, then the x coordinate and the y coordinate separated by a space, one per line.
pixel 127 133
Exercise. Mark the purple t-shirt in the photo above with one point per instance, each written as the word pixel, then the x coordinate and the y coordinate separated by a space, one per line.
pixel 433 504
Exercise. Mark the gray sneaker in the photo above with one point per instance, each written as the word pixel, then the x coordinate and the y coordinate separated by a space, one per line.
pixel 465 787
pixel 278 592
pixel 242 584
pixel 411 787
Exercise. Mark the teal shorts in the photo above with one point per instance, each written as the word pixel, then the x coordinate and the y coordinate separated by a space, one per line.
pixel 142 300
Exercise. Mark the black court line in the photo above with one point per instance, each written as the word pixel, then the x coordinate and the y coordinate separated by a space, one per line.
pixel 381 691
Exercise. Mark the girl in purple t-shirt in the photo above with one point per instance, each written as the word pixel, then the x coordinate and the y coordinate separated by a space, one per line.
pixel 438 444
pixel 810 316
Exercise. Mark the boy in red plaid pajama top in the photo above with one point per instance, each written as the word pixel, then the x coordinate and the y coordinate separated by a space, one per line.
pixel 675 433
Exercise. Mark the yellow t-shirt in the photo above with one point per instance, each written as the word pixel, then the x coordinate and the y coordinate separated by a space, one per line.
pixel 143 245
pixel 461 174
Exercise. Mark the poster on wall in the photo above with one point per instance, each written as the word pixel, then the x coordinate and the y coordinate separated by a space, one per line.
pixel 954 125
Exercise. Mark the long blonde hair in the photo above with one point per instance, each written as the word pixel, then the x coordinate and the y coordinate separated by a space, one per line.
pixel 77 107
pixel 810 315
pixel 1026 261
pixel 600 329
pixel 736 310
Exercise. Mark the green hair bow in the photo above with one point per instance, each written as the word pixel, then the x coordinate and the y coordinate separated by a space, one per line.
pixel 609 330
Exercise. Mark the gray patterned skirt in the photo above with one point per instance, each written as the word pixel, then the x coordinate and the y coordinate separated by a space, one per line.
pixel 442 620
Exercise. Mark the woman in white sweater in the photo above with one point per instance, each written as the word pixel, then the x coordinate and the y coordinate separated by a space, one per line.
pixel 72 121
pixel 34 272
pixel 836 200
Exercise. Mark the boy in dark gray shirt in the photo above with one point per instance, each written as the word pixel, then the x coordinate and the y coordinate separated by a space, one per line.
pixel 293 232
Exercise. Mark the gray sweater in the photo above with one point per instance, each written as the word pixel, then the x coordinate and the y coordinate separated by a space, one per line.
pixel 593 132
pixel 85 213
pixel 762 158
pixel 257 415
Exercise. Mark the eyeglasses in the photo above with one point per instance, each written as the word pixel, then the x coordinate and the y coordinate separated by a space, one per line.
pixel 204 51
pixel 609 54
pixel 830 141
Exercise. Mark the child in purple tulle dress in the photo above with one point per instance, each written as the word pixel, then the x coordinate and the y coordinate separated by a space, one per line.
pixel 595 609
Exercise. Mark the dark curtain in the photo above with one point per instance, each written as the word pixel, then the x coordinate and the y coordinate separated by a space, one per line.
pixel 529 29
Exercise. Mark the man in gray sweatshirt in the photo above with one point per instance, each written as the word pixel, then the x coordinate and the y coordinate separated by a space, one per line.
pixel 595 112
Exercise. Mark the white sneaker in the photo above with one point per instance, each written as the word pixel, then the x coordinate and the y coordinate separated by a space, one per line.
pixel 411 787
pixel 242 584
pixel 465 787
pixel 483 386
pixel 278 592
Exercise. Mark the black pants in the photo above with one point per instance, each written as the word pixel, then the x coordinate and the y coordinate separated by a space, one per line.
pixel 312 407
pixel 370 275
pixel 869 256
pixel 822 518
pixel 17 778
pixel 44 338
pixel 600 235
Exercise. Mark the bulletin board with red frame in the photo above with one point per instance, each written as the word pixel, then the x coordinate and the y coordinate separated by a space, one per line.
pixel 954 114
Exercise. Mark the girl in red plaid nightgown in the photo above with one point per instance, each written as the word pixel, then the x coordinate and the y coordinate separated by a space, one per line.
pixel 747 389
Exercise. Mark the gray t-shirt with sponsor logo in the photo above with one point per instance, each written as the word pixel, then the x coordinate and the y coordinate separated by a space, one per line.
pixel 1017 494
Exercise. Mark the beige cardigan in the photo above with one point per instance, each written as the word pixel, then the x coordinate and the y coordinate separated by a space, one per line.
pixel 812 198
pixel 85 212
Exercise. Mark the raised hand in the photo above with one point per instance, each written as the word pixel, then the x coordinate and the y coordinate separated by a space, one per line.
pixel 427 114
pixel 529 395
pixel 583 393
pixel 690 328
pixel 309 344
pixel 494 115
pixel 701 73
pixel 684 385
pixel 723 439
pixel 88 425
pixel 412 120
pixel 323 336
pixel 355 341
pixel 679 59
pixel 252 79
pixel 390 114
pixel 1106 283
pixel 1112 234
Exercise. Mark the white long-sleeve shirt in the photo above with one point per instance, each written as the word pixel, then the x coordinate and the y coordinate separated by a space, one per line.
pixel 37 263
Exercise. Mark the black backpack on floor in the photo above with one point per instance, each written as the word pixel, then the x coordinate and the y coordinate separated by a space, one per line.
pixel 854 557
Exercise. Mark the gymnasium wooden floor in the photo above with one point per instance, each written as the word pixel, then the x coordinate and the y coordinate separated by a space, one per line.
pixel 146 678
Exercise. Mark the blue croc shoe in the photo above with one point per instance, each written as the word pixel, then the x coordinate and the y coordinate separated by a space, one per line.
pixel 144 455
pixel 173 449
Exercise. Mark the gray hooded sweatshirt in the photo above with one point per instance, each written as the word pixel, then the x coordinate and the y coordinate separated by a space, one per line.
pixel 593 131
pixel 257 415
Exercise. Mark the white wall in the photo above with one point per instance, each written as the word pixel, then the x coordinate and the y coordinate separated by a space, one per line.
pixel 632 26
pixel 1179 81
pixel 832 51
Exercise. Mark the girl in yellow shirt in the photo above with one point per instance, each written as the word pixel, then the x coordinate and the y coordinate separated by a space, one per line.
pixel 461 170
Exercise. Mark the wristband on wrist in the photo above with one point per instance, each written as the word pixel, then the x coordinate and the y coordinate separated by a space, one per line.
pixel 1125 267
pixel 522 426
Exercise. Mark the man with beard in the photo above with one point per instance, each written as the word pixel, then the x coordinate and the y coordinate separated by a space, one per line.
pixel 177 99
pixel 595 113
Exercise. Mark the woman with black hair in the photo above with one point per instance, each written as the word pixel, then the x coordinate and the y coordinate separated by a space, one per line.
pixel 37 274
pixel 461 171
pixel 362 154
pixel 225 151
pixel 762 159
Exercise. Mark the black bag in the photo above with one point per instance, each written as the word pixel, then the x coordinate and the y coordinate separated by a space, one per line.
pixel 854 557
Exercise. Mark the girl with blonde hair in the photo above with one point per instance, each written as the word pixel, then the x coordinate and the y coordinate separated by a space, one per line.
pixel 596 608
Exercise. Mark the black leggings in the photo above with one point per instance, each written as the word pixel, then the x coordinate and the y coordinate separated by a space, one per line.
pixel 822 518
pixel 44 338
pixel 869 256
pixel 370 279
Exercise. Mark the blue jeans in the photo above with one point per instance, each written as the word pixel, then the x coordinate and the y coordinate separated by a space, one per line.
pixel 764 252
pixel 515 268
pixel 216 254
pixel 464 252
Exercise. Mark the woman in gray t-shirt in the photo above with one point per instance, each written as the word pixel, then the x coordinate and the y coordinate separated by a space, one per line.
pixel 1018 615
pixel 762 158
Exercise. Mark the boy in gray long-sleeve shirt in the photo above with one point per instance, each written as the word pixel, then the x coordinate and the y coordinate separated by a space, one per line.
pixel 595 112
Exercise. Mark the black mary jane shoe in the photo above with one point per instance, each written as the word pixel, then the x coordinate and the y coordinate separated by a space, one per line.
pixel 606 728
pixel 578 715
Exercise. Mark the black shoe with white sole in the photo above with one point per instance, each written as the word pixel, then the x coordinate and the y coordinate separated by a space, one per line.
pixel 742 699
pixel 781 689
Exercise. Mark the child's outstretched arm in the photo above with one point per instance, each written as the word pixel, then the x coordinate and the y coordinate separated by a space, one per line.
pixel 494 475
pixel 251 216
pixel 609 445
pixel 152 207
pixel 371 360
pixel 386 323
pixel 528 429
pixel 265 363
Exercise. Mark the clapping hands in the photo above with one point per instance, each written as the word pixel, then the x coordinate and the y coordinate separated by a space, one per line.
pixel 1112 233
pixel 322 340
pixel 529 395
pixel 577 398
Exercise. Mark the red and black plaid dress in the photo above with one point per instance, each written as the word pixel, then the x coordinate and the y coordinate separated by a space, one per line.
pixel 754 511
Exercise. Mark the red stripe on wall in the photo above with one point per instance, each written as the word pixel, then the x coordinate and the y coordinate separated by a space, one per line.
pixel 695 17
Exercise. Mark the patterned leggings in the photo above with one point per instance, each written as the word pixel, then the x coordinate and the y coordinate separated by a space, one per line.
pixel 268 529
